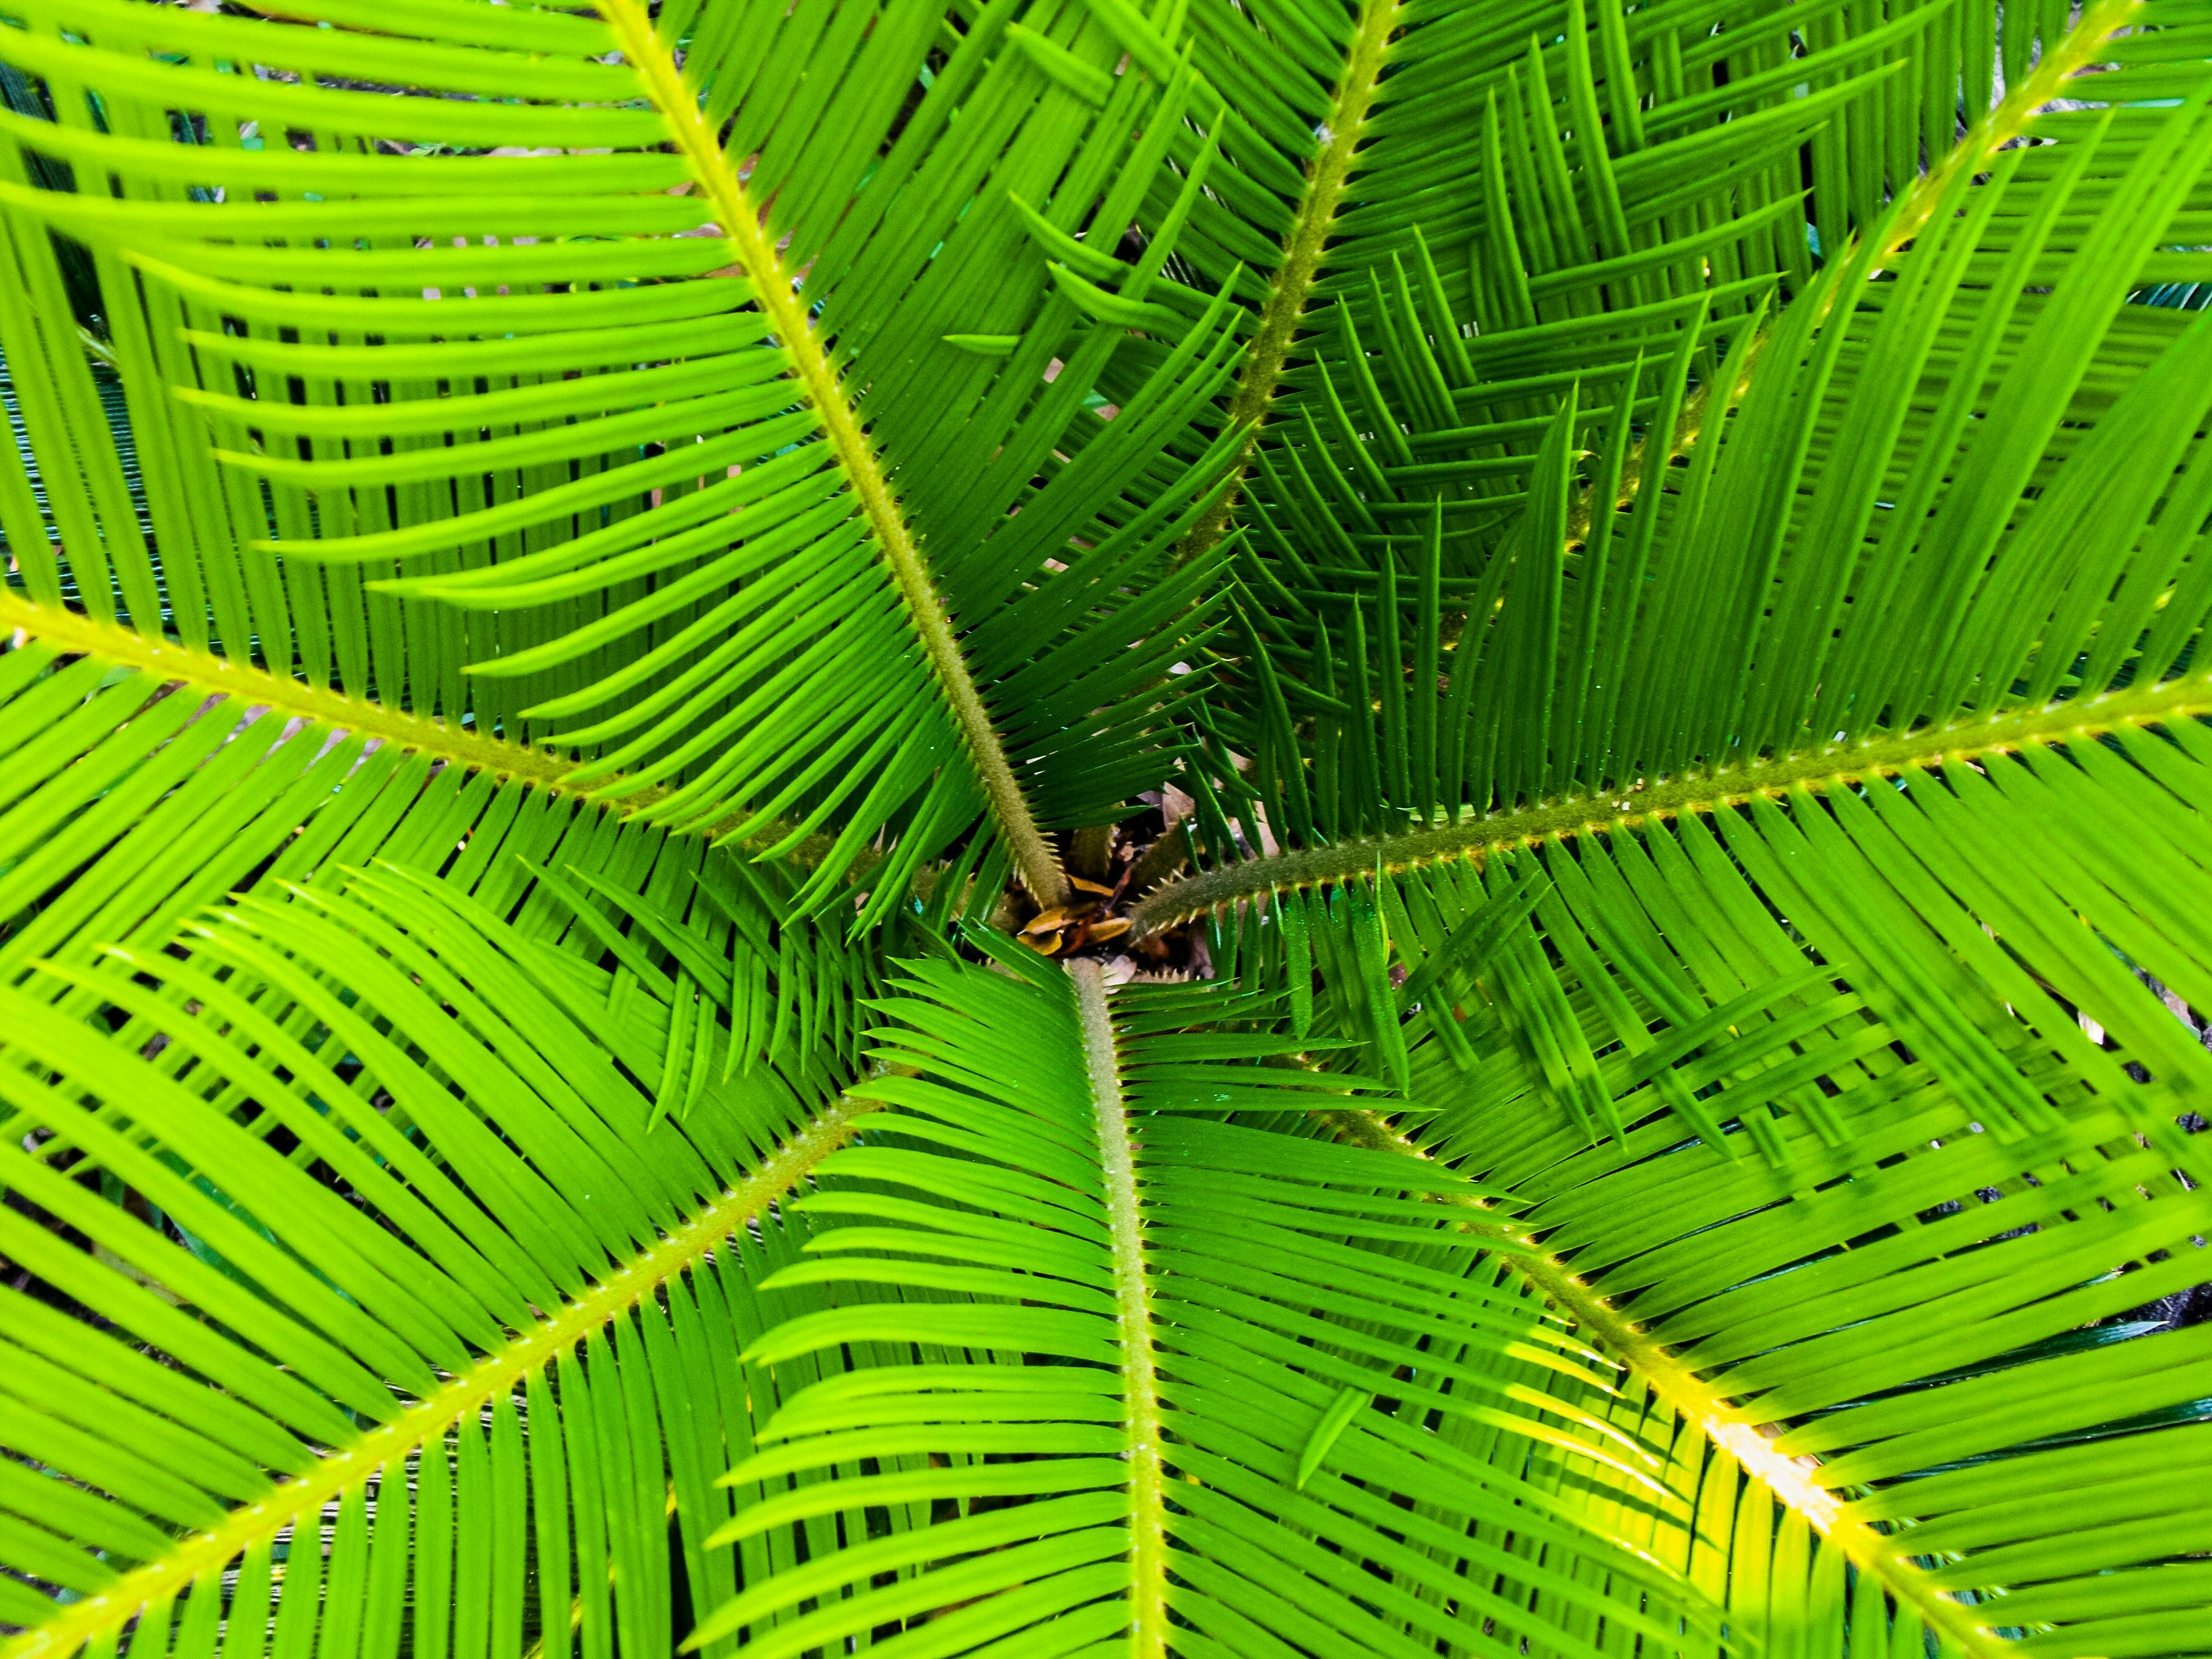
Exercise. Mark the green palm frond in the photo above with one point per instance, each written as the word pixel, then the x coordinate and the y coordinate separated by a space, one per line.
pixel 1543 168
pixel 1872 732
pixel 1874 1253
pixel 1829 1235
pixel 148 779
pixel 1183 1393
pixel 1651 656
pixel 508 1235
pixel 633 392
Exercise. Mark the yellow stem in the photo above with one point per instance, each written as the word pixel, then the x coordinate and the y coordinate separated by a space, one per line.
pixel 205 672
pixel 1325 183
pixel 297 1502
pixel 250 687
pixel 1789 1479
pixel 1696 793
pixel 740 220
pixel 1148 1620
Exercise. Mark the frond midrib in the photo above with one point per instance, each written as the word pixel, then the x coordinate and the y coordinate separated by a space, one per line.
pixel 1148 1543
pixel 741 222
pixel 493 1376
pixel 220 675
pixel 2002 125
pixel 249 687
pixel 1693 794
pixel 1292 286
pixel 1788 1479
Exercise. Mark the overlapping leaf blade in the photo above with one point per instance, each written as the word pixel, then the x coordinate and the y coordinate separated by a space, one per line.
pixel 1830 1087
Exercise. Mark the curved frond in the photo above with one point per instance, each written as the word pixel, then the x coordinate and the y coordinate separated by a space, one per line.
pixel 572 575
pixel 633 411
pixel 1223 1329
pixel 1952 515
pixel 354 1190
pixel 148 779
pixel 1903 1243
pixel 1535 166
pixel 1877 1207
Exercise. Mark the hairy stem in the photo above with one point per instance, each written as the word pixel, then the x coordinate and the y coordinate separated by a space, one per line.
pixel 740 218
pixel 1881 756
pixel 492 1377
pixel 1148 1620
pixel 1292 287
pixel 1789 1479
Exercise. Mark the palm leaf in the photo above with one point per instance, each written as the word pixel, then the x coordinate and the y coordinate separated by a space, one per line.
pixel 1967 865
pixel 1876 1256
pixel 1179 1395
pixel 1552 165
pixel 275 1359
pixel 802 657
pixel 1811 652
pixel 1917 1290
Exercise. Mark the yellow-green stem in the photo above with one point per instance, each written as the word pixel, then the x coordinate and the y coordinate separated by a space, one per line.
pixel 249 687
pixel 1148 1542
pixel 205 672
pixel 2000 127
pixel 1789 1479
pixel 1881 756
pixel 740 217
pixel 495 1376
pixel 1293 284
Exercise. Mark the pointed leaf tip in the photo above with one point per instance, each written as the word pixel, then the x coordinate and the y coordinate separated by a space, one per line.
pixel 1348 1404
